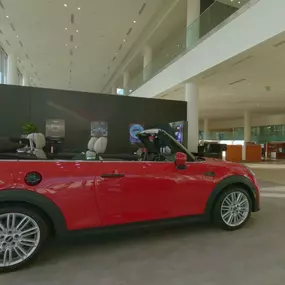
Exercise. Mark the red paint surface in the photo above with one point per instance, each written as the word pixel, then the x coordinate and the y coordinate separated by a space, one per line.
pixel 147 191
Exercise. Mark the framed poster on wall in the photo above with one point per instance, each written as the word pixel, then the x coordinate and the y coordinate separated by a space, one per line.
pixel 55 128
pixel 99 129
pixel 133 131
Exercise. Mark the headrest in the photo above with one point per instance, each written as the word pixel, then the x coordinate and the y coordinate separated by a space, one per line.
pixel 91 143
pixel 100 145
pixel 38 139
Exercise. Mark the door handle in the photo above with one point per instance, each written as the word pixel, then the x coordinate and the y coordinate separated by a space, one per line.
pixel 112 175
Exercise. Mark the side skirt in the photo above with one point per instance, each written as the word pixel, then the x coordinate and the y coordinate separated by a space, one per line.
pixel 149 225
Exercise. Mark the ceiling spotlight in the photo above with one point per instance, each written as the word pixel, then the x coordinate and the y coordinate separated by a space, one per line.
pixel 7 17
pixel 78 8
pixel 66 45
pixel 124 40
pixel 65 5
pixel 135 22
pixel 17 37
pixel 77 31
pixel 75 46
pixel 66 29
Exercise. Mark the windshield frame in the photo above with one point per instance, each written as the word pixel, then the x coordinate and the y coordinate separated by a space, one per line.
pixel 151 148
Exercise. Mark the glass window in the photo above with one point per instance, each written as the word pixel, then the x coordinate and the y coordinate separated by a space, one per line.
pixel 20 78
pixel 3 66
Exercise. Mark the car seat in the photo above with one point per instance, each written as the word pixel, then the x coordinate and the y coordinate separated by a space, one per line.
pixel 37 143
pixel 100 146
pixel 91 154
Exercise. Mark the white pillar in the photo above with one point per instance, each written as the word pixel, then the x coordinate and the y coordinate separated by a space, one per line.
pixel 191 97
pixel 114 90
pixel 193 22
pixel 12 74
pixel 206 129
pixel 126 82
pixel 247 132
pixel 147 59
pixel 26 79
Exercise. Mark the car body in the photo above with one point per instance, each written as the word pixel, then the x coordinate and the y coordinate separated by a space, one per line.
pixel 66 196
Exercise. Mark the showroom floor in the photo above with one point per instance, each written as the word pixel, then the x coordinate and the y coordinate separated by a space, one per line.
pixel 195 254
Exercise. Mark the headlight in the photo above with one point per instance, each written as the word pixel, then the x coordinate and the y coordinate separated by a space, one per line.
pixel 250 170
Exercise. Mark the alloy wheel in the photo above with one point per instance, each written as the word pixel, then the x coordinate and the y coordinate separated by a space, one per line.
pixel 235 209
pixel 19 238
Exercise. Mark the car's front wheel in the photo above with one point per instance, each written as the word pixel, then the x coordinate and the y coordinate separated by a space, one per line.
pixel 233 208
pixel 22 233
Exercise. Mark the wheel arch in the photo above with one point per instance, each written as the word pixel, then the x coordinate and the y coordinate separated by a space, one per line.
pixel 37 201
pixel 234 180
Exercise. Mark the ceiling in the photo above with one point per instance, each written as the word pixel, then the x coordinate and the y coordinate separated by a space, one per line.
pixel 72 44
pixel 234 3
pixel 253 80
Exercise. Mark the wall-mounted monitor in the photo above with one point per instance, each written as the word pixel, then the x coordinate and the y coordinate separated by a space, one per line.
pixel 178 128
pixel 55 128
pixel 133 131
pixel 99 129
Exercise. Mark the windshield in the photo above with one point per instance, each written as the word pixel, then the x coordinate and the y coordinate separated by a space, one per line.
pixel 164 144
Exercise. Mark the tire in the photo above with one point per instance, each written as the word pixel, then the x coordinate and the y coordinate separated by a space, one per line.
pixel 28 231
pixel 229 216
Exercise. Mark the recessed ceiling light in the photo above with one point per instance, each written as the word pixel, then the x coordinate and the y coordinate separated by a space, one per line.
pixel 65 5
pixel 77 31
pixel 66 29
pixel 124 40
pixel 75 46
pixel 7 17
pixel 66 45
pixel 17 37
pixel 135 22
pixel 78 8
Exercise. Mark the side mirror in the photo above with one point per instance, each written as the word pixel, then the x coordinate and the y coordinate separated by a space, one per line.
pixel 180 160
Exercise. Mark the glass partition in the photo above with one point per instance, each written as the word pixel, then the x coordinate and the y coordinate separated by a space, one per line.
pixel 3 66
pixel 259 135
pixel 199 30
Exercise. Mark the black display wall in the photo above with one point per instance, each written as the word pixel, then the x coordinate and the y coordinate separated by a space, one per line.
pixel 28 104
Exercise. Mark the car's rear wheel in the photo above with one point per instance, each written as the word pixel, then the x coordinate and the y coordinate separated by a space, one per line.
pixel 233 208
pixel 22 234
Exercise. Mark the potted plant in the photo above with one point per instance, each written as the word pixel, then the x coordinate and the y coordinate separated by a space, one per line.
pixel 28 128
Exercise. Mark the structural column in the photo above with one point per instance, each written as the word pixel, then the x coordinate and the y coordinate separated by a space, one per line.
pixel 12 74
pixel 126 83
pixel 26 79
pixel 206 129
pixel 147 62
pixel 114 90
pixel 193 22
pixel 247 132
pixel 192 97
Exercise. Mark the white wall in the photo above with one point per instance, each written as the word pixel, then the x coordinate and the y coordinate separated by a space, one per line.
pixel 265 120
pixel 254 25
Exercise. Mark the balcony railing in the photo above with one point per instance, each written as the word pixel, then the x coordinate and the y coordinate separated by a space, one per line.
pixel 209 22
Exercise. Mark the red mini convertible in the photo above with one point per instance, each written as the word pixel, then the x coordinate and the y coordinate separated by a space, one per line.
pixel 40 197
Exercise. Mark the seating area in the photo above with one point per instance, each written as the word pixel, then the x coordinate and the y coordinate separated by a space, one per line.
pixel 33 148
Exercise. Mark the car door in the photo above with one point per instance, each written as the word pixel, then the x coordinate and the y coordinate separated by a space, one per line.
pixel 140 191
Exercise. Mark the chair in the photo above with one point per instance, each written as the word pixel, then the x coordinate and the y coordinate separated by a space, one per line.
pixel 37 143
